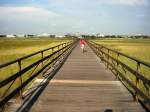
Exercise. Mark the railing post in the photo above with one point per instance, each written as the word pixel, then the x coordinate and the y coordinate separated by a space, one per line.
pixel 102 52
pixel 42 55
pixel 62 52
pixel 58 49
pixel 42 63
pixel 135 97
pixel 117 77
pixel 98 51
pixel 52 50
pixel 20 79
pixel 63 46
pixel 108 59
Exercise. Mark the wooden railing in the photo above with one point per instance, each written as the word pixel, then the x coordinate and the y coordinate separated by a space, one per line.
pixel 17 83
pixel 128 70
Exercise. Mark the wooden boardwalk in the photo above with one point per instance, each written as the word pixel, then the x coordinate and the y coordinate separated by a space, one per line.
pixel 83 84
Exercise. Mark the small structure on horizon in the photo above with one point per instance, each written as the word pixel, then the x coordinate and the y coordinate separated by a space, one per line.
pixel 43 35
pixel 29 36
pixel 20 36
pixel 100 35
pixel 60 36
pixel 10 36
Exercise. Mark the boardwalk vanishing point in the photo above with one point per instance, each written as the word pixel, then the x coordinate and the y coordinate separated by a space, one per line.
pixel 84 84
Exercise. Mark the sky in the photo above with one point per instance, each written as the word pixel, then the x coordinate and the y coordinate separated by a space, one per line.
pixel 119 17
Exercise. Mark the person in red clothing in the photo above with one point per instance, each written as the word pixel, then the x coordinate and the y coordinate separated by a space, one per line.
pixel 82 44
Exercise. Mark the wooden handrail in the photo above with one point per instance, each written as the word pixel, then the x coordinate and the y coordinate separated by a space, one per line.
pixel 100 50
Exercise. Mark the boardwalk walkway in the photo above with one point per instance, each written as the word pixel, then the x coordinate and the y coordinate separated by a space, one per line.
pixel 83 84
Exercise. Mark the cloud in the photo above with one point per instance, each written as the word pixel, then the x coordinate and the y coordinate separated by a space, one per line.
pixel 25 12
pixel 141 15
pixel 79 2
pixel 26 19
pixel 130 2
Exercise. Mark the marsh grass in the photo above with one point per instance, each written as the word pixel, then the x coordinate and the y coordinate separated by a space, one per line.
pixel 11 49
pixel 137 48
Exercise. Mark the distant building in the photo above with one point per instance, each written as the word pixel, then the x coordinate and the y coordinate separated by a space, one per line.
pixel 20 35
pixel 10 36
pixel 71 35
pixel 43 35
pixel 29 36
pixel 100 35
pixel 60 36
pixel 52 36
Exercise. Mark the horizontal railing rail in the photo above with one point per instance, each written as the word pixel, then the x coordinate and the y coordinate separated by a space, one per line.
pixel 131 77
pixel 8 91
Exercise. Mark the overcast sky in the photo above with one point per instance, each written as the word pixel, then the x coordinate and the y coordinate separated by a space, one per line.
pixel 71 16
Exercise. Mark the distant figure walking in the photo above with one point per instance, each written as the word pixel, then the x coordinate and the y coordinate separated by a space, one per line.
pixel 82 44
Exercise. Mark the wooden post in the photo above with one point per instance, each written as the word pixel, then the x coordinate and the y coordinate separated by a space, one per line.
pixel 135 97
pixel 97 50
pixel 42 55
pixel 58 49
pixel 108 59
pixel 117 77
pixel 42 63
pixel 52 50
pixel 20 79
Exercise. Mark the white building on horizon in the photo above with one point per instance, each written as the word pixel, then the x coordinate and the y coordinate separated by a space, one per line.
pixel 43 35
pixel 10 36
pixel 100 35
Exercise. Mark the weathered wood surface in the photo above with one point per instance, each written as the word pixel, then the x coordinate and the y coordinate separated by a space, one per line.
pixel 83 84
